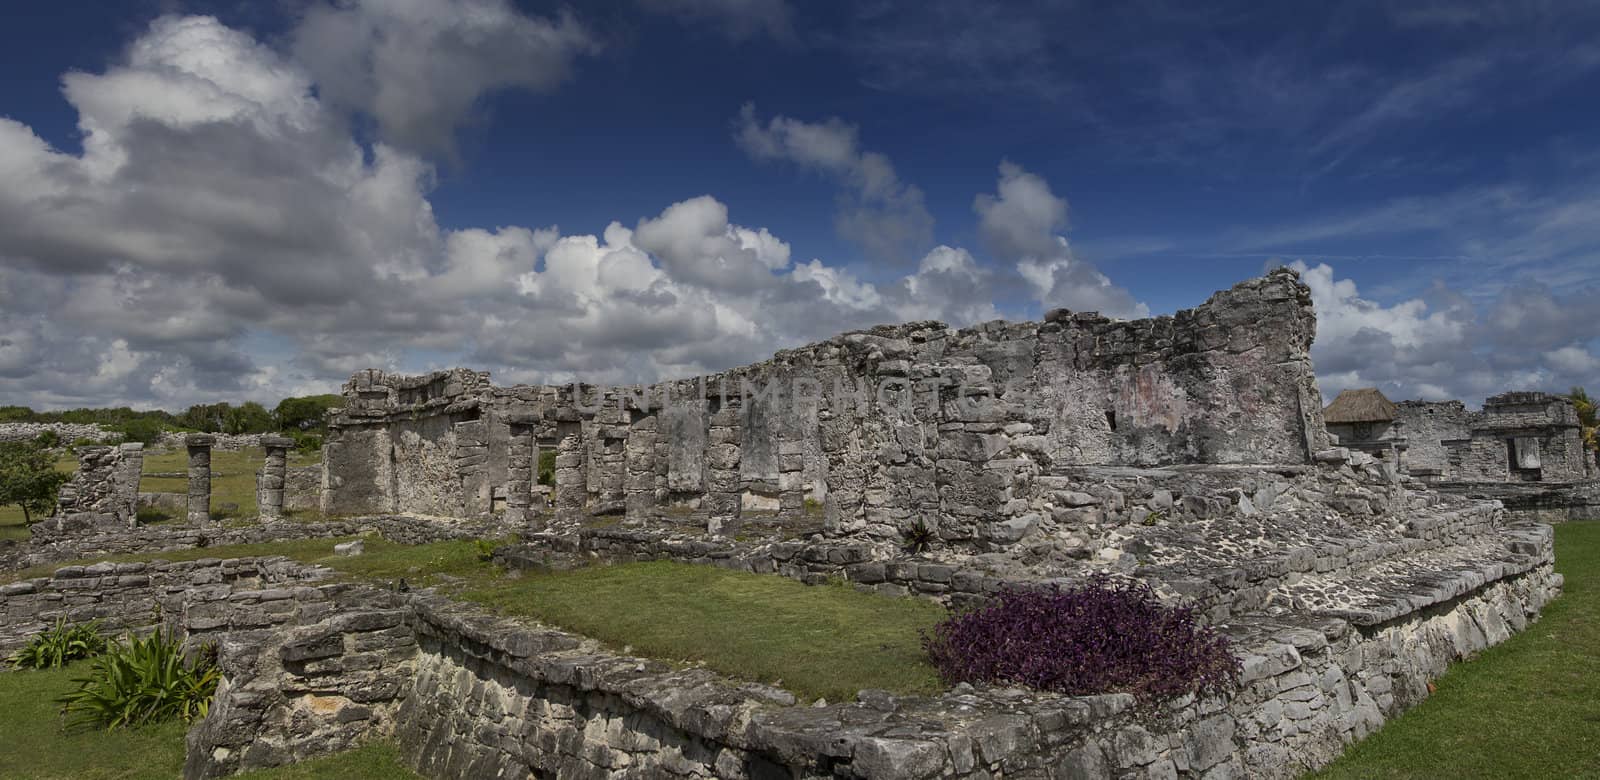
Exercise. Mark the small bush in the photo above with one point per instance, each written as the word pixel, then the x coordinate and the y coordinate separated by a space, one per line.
pixel 547 467
pixel 60 645
pixel 917 539
pixel 304 442
pixel 143 681
pixel 140 429
pixel 1096 638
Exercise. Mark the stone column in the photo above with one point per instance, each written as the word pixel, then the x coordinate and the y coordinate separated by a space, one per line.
pixel 199 446
pixel 269 483
pixel 571 489
pixel 522 468
pixel 130 468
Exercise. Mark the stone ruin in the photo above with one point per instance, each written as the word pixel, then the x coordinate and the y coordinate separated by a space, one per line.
pixel 1524 449
pixel 969 430
pixel 103 495
pixel 1187 451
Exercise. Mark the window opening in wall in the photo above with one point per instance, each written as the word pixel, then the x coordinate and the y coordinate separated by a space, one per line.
pixel 1111 419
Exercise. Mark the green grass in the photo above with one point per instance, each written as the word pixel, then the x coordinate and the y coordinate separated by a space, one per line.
pixel 1526 708
pixel 34 745
pixel 817 641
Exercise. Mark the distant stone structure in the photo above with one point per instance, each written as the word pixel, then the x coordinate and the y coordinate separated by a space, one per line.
pixel 66 432
pixel 1365 420
pixel 1523 448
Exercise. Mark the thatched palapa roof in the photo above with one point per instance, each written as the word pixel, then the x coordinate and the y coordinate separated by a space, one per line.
pixel 1365 405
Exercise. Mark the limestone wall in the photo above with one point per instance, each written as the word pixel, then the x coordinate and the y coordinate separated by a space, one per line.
pixel 138 596
pixel 66 432
pixel 1428 427
pixel 876 429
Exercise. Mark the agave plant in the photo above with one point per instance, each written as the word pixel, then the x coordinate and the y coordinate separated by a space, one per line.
pixel 917 539
pixel 60 645
pixel 142 681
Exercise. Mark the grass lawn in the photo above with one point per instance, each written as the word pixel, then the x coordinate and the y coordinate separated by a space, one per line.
pixel 34 745
pixel 1529 707
pixel 818 641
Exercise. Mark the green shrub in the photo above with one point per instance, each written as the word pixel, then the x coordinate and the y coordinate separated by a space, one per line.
pixel 305 442
pixel 143 681
pixel 140 429
pixel 57 646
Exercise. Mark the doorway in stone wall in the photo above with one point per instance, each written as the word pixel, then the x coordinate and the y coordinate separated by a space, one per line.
pixel 544 474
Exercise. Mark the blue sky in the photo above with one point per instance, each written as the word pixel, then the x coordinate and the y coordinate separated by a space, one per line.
pixel 243 200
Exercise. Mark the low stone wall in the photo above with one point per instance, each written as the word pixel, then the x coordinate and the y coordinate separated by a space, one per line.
pixel 221 441
pixel 1369 576
pixel 1536 502
pixel 66 432
pixel 168 537
pixel 322 683
pixel 137 596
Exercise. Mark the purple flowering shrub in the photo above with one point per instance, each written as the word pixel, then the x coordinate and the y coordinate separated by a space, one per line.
pixel 1100 637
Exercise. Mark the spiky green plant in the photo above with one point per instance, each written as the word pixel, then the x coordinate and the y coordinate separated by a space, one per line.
pixel 142 681
pixel 917 539
pixel 60 645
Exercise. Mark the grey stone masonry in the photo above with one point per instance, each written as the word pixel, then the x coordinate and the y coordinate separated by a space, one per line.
pixel 199 446
pixel 270 482
pixel 103 495
pixel 870 431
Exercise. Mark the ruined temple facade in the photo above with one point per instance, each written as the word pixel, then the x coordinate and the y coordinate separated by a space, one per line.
pixel 1524 449
pixel 869 431
pixel 1517 437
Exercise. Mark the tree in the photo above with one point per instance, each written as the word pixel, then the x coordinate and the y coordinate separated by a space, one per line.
pixel 306 413
pixel 28 478
pixel 1587 414
pixel 248 417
